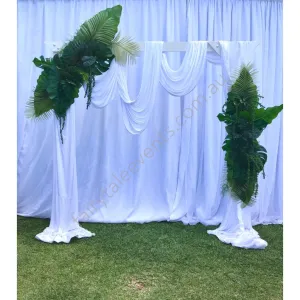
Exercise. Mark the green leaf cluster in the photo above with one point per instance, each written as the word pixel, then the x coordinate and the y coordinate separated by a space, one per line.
pixel 245 120
pixel 87 55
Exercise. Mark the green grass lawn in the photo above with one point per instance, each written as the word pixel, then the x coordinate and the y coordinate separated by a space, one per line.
pixel 157 261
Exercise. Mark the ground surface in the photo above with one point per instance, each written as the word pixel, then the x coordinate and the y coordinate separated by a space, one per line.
pixel 157 261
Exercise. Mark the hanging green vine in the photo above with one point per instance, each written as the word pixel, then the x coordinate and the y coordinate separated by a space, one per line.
pixel 88 54
pixel 245 120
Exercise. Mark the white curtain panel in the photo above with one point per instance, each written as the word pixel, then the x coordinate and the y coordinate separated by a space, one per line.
pixel 238 20
pixel 173 169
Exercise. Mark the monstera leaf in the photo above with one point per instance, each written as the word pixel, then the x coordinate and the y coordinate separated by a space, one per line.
pixel 245 120
pixel 88 54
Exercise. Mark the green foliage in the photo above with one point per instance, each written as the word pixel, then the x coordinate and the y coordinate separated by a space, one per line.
pixel 245 120
pixel 87 55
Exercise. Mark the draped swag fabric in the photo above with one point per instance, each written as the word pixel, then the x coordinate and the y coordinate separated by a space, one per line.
pixel 137 112
pixel 173 169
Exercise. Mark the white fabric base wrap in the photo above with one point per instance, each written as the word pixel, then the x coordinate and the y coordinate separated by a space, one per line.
pixel 236 228
pixel 64 214
pixel 50 235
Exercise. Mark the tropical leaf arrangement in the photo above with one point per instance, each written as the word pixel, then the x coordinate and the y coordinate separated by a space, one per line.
pixel 245 118
pixel 88 54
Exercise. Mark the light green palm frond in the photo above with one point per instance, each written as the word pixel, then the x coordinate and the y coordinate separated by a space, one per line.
pixel 244 81
pixel 102 27
pixel 249 67
pixel 38 109
pixel 124 49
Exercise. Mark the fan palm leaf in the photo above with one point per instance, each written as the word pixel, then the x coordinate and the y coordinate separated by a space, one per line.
pixel 124 49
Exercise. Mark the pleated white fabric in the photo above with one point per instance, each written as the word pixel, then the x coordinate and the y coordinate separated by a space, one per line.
pixel 106 87
pixel 137 112
pixel 113 83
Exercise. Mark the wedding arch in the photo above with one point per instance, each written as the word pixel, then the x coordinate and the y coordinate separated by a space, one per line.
pixel 104 77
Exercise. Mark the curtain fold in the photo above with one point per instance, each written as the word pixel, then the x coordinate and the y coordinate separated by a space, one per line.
pixel 137 112
pixel 172 170
pixel 156 70
pixel 183 80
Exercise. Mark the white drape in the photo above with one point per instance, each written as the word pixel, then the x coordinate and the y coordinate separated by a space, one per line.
pixel 113 83
pixel 64 211
pixel 182 81
pixel 137 112
pixel 156 69
pixel 173 169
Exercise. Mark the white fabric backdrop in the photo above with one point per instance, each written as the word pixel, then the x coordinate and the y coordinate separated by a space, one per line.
pixel 182 180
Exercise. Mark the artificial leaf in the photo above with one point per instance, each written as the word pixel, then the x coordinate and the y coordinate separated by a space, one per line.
pixel 76 64
pixel 245 119
pixel 124 49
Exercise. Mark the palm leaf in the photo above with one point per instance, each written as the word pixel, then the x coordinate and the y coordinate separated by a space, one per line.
pixel 124 49
pixel 244 85
pixel 102 27
pixel 38 109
